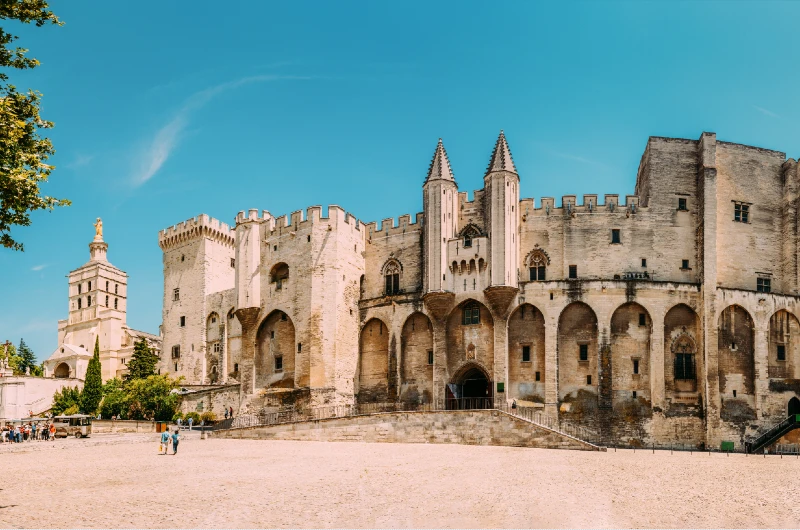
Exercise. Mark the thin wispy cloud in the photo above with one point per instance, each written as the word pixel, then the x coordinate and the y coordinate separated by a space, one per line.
pixel 168 137
pixel 38 267
pixel 766 112
pixel 569 156
pixel 80 161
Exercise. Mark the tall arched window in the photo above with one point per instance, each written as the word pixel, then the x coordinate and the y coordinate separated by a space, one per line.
pixel 537 266
pixel 279 275
pixel 471 314
pixel 391 276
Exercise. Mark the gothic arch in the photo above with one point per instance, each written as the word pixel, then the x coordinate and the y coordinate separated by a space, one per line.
pixel 537 252
pixel 471 229
pixel 784 346
pixel 526 354
pixel 736 346
pixel 275 351
pixel 630 353
pixel 373 363
pixel 578 352
pixel 683 361
pixel 416 366
pixel 392 265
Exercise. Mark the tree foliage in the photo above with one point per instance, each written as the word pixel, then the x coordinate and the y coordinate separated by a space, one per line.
pixel 65 399
pixel 23 152
pixel 92 392
pixel 27 359
pixel 152 398
pixel 141 399
pixel 143 362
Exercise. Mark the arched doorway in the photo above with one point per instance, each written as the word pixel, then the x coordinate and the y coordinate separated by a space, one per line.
pixel 61 371
pixel 794 406
pixel 470 389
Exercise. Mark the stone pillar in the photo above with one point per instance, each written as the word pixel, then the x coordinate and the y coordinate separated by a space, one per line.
pixel 656 364
pixel 440 375
pixel 761 376
pixel 551 367
pixel 500 368
pixel 223 354
pixel 247 369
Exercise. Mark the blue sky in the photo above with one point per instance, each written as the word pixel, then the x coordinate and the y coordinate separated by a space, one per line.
pixel 165 110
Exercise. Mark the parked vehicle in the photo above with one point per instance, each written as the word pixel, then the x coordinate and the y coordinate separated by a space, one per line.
pixel 77 425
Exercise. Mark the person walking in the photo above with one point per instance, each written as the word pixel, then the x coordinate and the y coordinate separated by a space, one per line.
pixel 231 412
pixel 191 420
pixel 226 413
pixel 176 437
pixel 53 431
pixel 165 440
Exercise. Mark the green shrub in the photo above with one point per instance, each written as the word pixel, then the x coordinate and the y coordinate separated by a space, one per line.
pixel 208 417
pixel 74 409
pixel 195 418
pixel 176 417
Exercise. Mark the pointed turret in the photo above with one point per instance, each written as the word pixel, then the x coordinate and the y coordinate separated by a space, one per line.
pixel 440 165
pixel 501 157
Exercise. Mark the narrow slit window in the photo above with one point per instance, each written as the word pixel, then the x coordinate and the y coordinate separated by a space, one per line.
pixel 573 272
pixel 583 352
pixel 781 352
pixel 430 357
pixel 526 354
pixel 615 235
pixel 636 366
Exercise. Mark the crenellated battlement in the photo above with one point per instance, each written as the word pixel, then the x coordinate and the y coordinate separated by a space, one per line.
pixel 388 227
pixel 299 219
pixel 589 205
pixel 200 226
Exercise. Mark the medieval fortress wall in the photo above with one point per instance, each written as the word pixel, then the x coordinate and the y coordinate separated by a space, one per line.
pixel 666 315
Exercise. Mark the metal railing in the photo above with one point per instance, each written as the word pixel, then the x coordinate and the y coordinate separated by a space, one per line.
pixel 530 414
pixel 774 432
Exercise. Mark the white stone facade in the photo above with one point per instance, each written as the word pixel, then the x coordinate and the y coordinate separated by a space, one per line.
pixel 670 316
pixel 98 295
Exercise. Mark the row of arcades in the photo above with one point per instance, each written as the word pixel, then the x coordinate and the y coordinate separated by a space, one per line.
pixel 409 367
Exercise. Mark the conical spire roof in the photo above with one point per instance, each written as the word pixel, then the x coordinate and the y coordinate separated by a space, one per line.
pixel 501 157
pixel 440 165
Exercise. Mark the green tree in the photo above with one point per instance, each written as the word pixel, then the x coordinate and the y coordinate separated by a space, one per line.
pixel 65 399
pixel 114 399
pixel 92 392
pixel 152 398
pixel 27 360
pixel 23 152
pixel 143 362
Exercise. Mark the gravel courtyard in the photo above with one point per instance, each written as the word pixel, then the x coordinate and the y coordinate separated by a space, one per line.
pixel 121 481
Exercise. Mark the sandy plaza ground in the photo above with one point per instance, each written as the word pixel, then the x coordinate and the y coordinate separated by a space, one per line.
pixel 120 481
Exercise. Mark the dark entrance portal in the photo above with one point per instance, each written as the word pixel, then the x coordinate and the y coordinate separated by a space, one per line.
pixel 794 406
pixel 472 390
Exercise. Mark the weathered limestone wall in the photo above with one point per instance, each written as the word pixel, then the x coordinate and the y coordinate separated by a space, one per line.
pixel 458 427
pixel 213 398
pixel 122 426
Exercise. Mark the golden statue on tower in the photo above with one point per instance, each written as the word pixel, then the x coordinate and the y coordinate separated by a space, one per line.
pixel 98 230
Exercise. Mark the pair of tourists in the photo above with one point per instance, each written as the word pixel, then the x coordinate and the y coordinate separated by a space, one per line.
pixel 166 438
